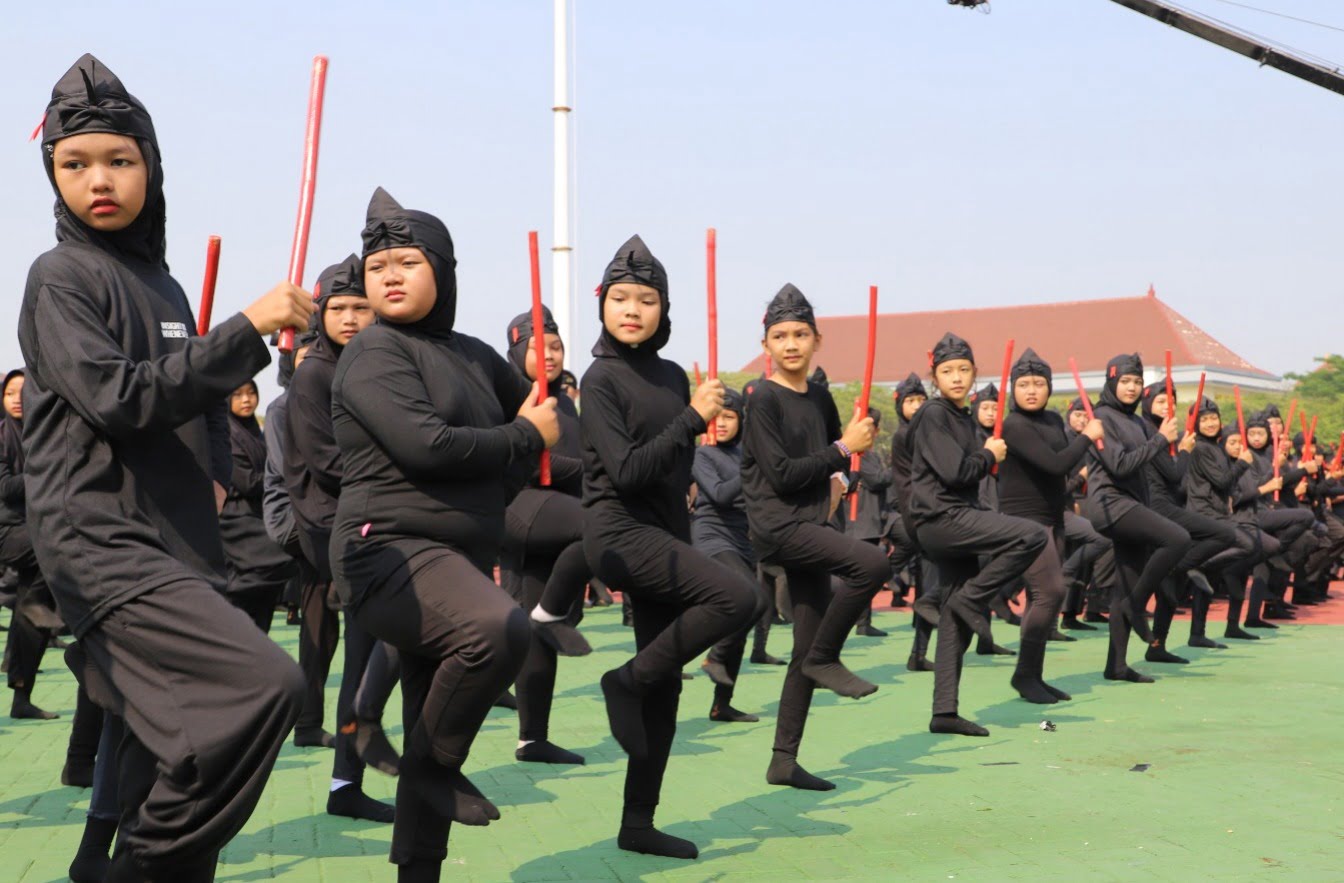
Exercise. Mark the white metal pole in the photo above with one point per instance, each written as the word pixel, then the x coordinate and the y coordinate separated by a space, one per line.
pixel 562 253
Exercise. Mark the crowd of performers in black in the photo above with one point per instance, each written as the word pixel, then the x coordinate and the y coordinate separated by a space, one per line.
pixel 395 498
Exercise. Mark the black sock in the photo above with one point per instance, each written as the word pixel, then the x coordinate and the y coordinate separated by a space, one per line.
pixel 562 637
pixel 1057 635
pixel 918 663
pixel 91 859
pixel 1259 624
pixel 448 791
pixel 1157 652
pixel 1073 624
pixel 785 770
pixel 22 708
pixel 1032 689
pixel 625 711
pixel 314 738
pixel 351 801
pixel 1128 674
pixel 763 658
pixel 545 751
pixel 1059 694
pixel 725 713
pixel 1238 633
pixel 989 648
pixel 834 676
pixel 77 773
pixel 718 673
pixel 1202 641
pixel 955 725
pixel 651 841
pixel 373 747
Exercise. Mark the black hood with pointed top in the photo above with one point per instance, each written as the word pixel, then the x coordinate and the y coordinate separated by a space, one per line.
pixel 87 99
pixel 789 305
pixel 519 336
pixel 910 386
pixel 1121 365
pixel 634 263
pixel 951 347
pixel 1031 365
pixel 345 279
pixel 818 376
pixel 388 225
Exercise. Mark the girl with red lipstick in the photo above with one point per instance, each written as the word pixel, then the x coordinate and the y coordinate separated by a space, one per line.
pixel 126 461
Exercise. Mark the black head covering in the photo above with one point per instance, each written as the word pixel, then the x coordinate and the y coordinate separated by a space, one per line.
pixel 90 98
pixel 1076 405
pixel 1272 410
pixel 1205 405
pixel 633 262
pixel 388 225
pixel 818 375
pixel 1299 440
pixel 1150 393
pixel 11 430
pixel 987 393
pixel 910 386
pixel 1115 369
pixel 1031 365
pixel 949 348
pixel 733 401
pixel 520 337
pixel 345 279
pixel 1258 419
pixel 567 378
pixel 789 305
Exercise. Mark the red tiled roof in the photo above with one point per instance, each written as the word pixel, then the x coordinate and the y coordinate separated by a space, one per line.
pixel 1092 331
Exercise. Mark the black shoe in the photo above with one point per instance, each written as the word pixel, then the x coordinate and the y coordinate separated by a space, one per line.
pixel 1057 635
pixel 918 663
pixel 868 631
pixel 318 738
pixel 763 658
pixel 352 803
pixel 1239 634
pixel 1259 624
pixel 1073 624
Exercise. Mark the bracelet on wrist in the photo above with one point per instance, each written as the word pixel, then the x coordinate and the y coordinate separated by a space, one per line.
pixel 844 449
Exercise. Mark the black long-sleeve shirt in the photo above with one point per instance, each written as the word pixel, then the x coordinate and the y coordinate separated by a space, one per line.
pixel 1212 479
pixel 788 457
pixel 873 480
pixel 254 559
pixel 900 468
pixel 1033 478
pixel 639 440
pixel 312 460
pixel 124 407
pixel 719 517
pixel 1115 479
pixel 947 461
pixel 428 438
pixel 11 474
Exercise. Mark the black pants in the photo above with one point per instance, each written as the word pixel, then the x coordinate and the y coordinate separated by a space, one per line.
pixel 86 728
pixel 1090 561
pixel 34 610
pixel 685 602
pixel 955 540
pixel 347 766
pixel 1044 579
pixel 1147 548
pixel 730 650
pixel 207 700
pixel 319 634
pixel 543 563
pixel 258 604
pixel 1287 525
pixel 810 554
pixel 1214 546
pixel 461 640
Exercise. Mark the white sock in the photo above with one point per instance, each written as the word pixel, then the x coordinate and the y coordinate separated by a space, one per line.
pixel 542 616
pixel 338 784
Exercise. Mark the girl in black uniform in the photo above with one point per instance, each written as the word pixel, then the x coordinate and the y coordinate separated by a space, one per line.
pixel 639 425
pixel 1032 485
pixel 431 451
pixel 948 463
pixel 125 430
pixel 1217 543
pixel 258 568
pixel 719 530
pixel 1220 472
pixel 793 452
pixel 35 619
pixel 542 559
pixel 910 396
pixel 1147 546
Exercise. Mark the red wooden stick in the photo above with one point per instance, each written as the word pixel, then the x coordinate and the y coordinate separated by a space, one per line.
pixel 1311 436
pixel 712 309
pixel 208 288
pixel 307 185
pixel 539 342
pixel 1339 455
pixel 1276 459
pixel 698 378
pixel 1241 416
pixel 1171 398
pixel 864 393
pixel 1193 418
pixel 1003 396
pixel 1288 424
pixel 1082 395
pixel 769 367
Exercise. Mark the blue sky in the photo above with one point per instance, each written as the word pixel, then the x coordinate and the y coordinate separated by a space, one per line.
pixel 1052 150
